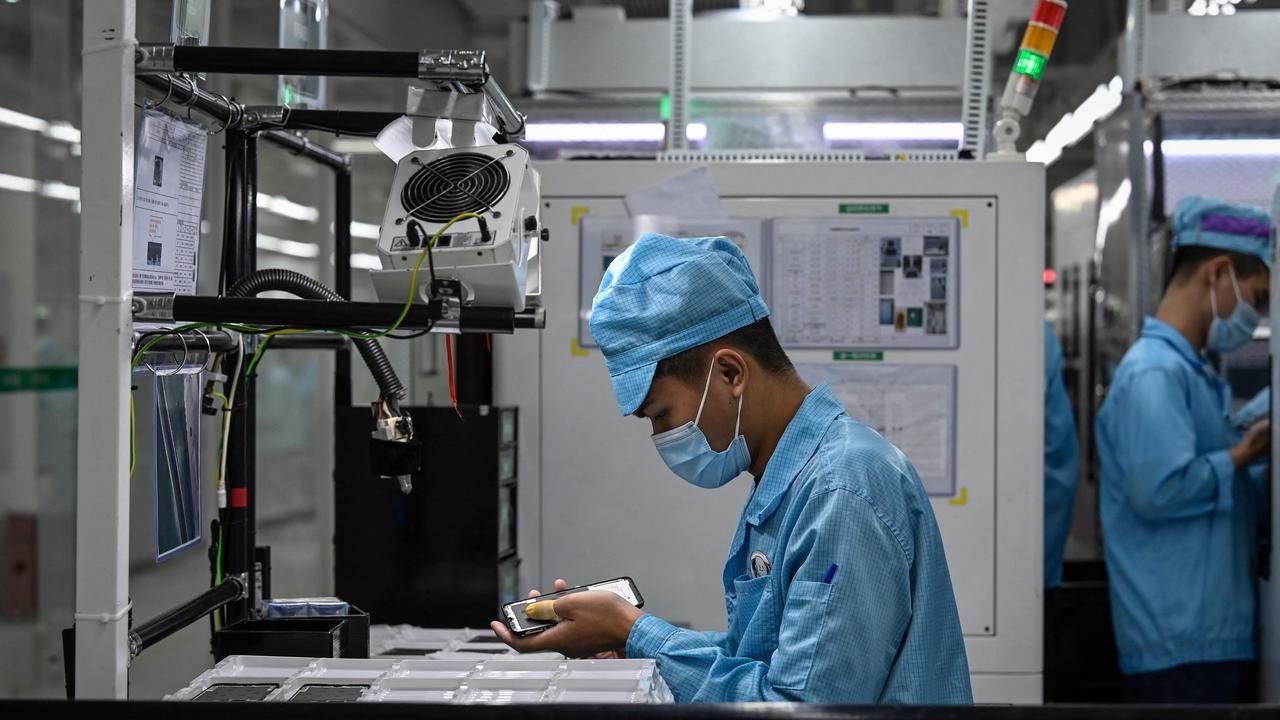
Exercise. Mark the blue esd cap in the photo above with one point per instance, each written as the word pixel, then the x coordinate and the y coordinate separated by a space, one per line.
pixel 1205 222
pixel 665 295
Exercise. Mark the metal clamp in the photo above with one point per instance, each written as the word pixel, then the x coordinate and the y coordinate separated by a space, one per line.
pixel 153 59
pixel 152 307
pixel 466 66
pixel 258 116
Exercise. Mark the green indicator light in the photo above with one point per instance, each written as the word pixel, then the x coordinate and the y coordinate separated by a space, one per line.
pixel 1030 63
pixel 664 108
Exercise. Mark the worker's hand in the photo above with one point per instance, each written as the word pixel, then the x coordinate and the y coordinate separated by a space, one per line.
pixel 619 653
pixel 593 623
pixel 1255 443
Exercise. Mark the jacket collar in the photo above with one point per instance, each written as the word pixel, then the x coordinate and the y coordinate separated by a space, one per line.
pixel 798 444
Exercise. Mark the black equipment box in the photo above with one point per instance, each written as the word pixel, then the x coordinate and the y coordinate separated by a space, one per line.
pixel 445 554
pixel 345 636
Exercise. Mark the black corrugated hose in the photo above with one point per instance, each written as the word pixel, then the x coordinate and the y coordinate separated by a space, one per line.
pixel 260 281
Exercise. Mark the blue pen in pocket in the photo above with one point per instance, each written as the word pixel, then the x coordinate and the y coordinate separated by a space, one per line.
pixel 830 574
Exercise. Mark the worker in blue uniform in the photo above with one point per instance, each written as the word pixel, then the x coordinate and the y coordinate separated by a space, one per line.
pixel 1061 461
pixel 1179 509
pixel 836 583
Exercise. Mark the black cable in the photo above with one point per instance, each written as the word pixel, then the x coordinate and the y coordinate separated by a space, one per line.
pixel 412 335
pixel 415 229
pixel 260 281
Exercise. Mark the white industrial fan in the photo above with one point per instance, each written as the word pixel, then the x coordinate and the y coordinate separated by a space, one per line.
pixel 495 261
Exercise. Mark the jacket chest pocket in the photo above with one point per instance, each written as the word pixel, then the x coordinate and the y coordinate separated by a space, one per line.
pixel 753 617
pixel 803 625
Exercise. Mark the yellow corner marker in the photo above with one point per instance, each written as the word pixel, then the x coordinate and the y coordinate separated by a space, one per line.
pixel 545 610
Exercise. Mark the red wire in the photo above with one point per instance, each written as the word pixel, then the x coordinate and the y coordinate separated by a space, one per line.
pixel 488 342
pixel 453 391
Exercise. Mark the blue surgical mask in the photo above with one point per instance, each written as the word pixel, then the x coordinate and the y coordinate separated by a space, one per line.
pixel 686 451
pixel 1235 330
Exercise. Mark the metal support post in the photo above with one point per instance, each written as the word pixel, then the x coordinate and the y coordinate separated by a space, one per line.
pixel 106 261
pixel 542 13
pixel 342 278
pixel 681 65
pixel 1132 72
pixel 241 458
pixel 977 78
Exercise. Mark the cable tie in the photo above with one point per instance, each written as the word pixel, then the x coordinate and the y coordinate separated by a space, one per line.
pixel 103 617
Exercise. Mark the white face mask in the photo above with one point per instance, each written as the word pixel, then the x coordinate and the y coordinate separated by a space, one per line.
pixel 686 451
pixel 1235 330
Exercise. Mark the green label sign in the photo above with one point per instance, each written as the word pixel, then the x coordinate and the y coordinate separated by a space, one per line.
pixel 36 379
pixel 872 208
pixel 858 355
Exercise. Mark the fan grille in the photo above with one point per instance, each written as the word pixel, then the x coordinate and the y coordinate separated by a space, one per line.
pixel 454 184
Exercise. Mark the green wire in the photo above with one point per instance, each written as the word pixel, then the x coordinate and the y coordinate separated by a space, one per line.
pixel 218 561
pixel 257 355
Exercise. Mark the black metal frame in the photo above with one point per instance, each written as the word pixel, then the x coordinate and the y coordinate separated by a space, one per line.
pixel 243 129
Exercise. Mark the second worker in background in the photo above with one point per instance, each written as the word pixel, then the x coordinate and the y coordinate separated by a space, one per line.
pixel 1179 504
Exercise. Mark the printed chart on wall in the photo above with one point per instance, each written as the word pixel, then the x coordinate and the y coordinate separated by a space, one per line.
pixel 168 186
pixel 865 282
pixel 913 406
pixel 604 238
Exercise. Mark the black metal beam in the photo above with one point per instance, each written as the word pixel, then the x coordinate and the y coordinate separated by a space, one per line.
pixel 288 61
pixel 341 122
pixel 287 312
pixel 215 341
pixel 231 115
pixel 311 341
pixel 321 314
pixel 162 626
pixel 342 277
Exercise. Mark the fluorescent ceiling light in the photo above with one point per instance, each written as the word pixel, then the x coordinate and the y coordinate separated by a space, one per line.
pixel 1219 147
pixel 17 183
pixel 368 231
pixel 1073 126
pixel 1110 212
pixel 365 261
pixel 66 132
pixel 60 191
pixel 13 118
pixel 1041 152
pixel 595 132
pixel 354 146
pixel 604 132
pixel 287 247
pixel 892 131
pixel 285 207
pixel 59 130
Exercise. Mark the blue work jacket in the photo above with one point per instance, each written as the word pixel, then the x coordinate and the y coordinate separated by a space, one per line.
pixel 836 585
pixel 1061 461
pixel 1178 519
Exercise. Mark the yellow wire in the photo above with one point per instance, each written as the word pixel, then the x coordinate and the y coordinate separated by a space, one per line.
pixel 404 312
pixel 413 278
